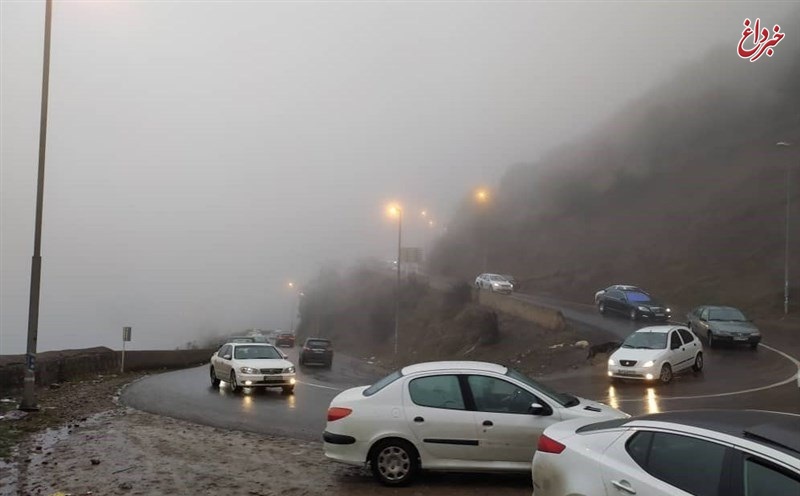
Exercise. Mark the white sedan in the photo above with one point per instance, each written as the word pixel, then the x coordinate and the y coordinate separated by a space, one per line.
pixel 494 282
pixel 465 416
pixel 682 453
pixel 252 365
pixel 656 353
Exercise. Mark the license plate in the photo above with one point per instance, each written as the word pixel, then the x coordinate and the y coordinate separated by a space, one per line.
pixel 659 315
pixel 737 338
pixel 319 351
pixel 625 372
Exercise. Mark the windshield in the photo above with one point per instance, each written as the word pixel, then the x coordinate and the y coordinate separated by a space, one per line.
pixel 646 341
pixel 637 296
pixel 563 399
pixel 496 278
pixel 729 314
pixel 255 352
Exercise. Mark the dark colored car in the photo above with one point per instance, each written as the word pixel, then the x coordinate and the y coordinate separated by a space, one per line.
pixel 285 339
pixel 317 350
pixel 723 324
pixel 636 304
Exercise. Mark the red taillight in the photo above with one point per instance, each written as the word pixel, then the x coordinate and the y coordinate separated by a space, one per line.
pixel 547 445
pixel 336 413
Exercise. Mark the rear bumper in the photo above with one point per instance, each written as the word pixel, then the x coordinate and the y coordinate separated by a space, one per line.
pixel 353 453
pixel 316 357
pixel 737 339
pixel 332 438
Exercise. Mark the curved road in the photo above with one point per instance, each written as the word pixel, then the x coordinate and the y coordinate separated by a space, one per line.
pixel 732 378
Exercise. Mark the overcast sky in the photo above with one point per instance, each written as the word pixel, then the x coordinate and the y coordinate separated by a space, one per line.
pixel 202 154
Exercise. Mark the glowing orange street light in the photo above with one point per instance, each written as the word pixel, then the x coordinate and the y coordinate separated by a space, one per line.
pixel 481 195
pixel 424 213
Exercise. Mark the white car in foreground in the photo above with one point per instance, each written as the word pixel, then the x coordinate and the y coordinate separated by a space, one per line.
pixel 656 353
pixel 494 283
pixel 466 416
pixel 685 453
pixel 252 365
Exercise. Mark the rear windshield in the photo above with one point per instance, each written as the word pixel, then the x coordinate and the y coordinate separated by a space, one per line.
pixel 318 343
pixel 383 383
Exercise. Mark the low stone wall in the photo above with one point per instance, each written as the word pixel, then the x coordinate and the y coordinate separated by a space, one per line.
pixel 60 366
pixel 543 316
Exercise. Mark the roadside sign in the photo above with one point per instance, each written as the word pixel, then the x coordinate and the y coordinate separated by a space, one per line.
pixel 126 336
pixel 126 333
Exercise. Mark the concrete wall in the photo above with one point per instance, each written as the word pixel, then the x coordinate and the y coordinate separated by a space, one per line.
pixel 543 316
pixel 60 366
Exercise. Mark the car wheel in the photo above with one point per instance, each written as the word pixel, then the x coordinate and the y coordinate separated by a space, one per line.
pixel 214 380
pixel 394 462
pixel 288 389
pixel 329 364
pixel 300 361
pixel 698 363
pixel 601 307
pixel 666 374
pixel 710 339
pixel 633 314
pixel 753 346
pixel 235 387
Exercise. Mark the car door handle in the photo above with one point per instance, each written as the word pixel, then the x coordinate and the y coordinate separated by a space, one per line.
pixel 488 423
pixel 419 419
pixel 623 486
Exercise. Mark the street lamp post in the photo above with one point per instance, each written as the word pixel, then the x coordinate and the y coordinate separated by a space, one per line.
pixel 482 197
pixel 786 248
pixel 29 385
pixel 396 210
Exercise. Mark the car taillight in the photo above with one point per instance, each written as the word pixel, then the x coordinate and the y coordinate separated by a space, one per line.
pixel 336 413
pixel 547 445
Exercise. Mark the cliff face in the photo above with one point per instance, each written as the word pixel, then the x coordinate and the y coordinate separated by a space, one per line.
pixel 683 193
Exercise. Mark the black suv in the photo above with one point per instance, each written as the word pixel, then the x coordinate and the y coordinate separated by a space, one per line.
pixel 317 350
pixel 634 303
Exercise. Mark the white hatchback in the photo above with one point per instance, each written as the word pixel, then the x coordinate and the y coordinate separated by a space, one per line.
pixel 656 353
pixel 683 453
pixel 465 416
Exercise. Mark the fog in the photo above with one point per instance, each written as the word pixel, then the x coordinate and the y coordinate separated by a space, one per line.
pixel 201 155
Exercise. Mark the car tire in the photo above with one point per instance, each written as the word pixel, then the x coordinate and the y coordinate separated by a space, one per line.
pixel 235 387
pixel 329 364
pixel 300 361
pixel 214 380
pixel 698 363
pixel 288 389
pixel 710 339
pixel 633 314
pixel 753 346
pixel 601 307
pixel 666 374
pixel 394 462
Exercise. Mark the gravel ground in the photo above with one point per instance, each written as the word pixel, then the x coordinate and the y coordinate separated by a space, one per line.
pixel 101 448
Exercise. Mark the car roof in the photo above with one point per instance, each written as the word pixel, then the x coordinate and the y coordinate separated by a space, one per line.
pixel 318 339
pixel 453 365
pixel 777 430
pixel 661 328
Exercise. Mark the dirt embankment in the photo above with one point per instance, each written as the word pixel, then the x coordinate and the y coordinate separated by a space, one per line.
pixel 356 310
pixel 683 193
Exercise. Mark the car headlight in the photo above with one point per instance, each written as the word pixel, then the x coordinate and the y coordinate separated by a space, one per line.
pixel 248 370
pixel 644 309
pixel 611 361
pixel 648 364
pixel 495 284
pixel 288 370
pixel 669 310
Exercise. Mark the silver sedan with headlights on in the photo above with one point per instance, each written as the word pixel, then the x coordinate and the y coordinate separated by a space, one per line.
pixel 494 282
pixel 252 365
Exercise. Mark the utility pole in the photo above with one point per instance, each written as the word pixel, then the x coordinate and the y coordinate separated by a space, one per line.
pixel 29 385
pixel 786 248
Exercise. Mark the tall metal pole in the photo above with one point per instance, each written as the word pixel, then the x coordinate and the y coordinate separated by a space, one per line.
pixel 786 248
pixel 786 253
pixel 397 285
pixel 29 385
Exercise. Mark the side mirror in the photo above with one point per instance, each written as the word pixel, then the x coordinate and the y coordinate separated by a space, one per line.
pixel 226 357
pixel 537 409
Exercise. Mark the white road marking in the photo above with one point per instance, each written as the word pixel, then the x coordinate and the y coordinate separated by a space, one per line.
pixel 319 386
pixel 793 377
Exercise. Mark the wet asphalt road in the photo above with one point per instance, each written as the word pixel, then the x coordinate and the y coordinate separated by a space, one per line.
pixel 187 394
pixel 733 377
